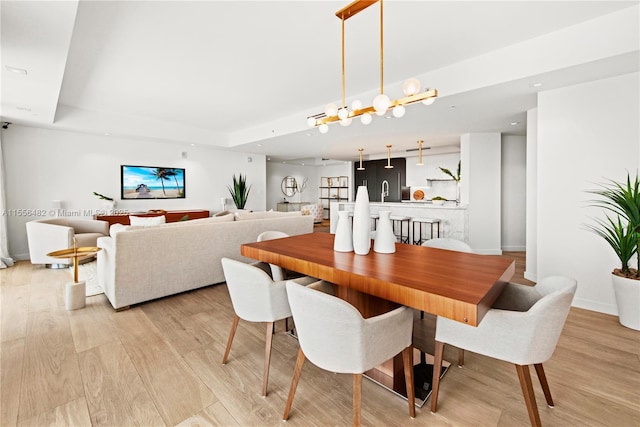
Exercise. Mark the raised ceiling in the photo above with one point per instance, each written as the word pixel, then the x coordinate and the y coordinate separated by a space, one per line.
pixel 244 75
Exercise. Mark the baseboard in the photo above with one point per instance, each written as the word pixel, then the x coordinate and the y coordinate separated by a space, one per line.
pixel 531 276
pixel 595 306
pixel 514 248
pixel 20 257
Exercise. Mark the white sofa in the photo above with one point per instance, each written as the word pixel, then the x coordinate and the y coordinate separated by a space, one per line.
pixel 53 234
pixel 140 264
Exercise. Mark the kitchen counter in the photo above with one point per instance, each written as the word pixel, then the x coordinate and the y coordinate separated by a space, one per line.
pixel 454 219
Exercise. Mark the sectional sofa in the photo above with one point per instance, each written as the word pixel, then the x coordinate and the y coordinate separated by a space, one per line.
pixel 142 263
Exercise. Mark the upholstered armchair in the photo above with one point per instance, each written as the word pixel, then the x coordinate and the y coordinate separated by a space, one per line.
pixel 52 234
pixel 316 210
pixel 522 327
pixel 334 336
pixel 255 298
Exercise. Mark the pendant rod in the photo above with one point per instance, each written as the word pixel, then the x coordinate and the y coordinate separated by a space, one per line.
pixel 381 50
pixel 343 84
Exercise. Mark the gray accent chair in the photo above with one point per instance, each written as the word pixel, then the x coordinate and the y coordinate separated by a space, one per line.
pixel 334 336
pixel 523 328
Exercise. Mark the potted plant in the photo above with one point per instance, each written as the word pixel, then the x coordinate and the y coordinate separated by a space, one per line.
pixel 239 192
pixel 456 178
pixel 108 202
pixel 621 231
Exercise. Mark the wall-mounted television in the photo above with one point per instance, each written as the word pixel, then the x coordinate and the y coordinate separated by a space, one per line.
pixel 151 182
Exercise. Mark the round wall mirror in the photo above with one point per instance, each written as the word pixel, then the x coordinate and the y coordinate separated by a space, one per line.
pixel 289 186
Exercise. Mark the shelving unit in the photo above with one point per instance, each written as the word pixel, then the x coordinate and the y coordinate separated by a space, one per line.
pixel 333 189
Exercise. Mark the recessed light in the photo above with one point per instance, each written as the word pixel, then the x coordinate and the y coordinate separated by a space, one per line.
pixel 453 107
pixel 107 134
pixel 22 108
pixel 302 164
pixel 15 70
pixel 259 145
pixel 192 144
pixel 309 134
pixel 515 123
pixel 536 85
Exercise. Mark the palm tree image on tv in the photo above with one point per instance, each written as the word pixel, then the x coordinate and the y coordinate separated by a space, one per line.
pixel 146 182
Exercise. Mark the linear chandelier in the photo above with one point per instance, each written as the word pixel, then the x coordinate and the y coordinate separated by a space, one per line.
pixel 381 103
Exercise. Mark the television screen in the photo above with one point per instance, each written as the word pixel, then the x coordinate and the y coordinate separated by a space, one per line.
pixel 151 182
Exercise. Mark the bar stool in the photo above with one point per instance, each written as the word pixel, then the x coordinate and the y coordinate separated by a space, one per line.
pixel 399 220
pixel 421 222
pixel 374 221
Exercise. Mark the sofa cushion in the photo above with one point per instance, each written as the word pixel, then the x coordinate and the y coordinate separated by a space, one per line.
pixel 146 221
pixel 87 239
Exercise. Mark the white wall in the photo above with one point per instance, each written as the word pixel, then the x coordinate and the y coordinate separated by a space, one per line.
pixel 531 264
pixel 481 188
pixel 44 165
pixel 276 173
pixel 586 133
pixel 514 179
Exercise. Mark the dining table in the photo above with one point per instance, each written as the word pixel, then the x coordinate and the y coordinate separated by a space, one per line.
pixel 456 285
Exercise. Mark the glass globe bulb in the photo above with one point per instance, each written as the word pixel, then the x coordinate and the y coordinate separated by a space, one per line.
pixel 311 122
pixel 324 128
pixel 356 104
pixel 380 113
pixel 343 113
pixel 411 86
pixel 381 103
pixel 331 109
pixel 366 118
pixel 429 101
pixel 398 111
pixel 345 122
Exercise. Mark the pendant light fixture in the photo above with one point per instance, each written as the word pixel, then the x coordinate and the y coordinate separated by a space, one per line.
pixel 381 103
pixel 420 142
pixel 360 168
pixel 389 165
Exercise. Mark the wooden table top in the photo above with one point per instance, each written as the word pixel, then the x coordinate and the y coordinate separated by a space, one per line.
pixel 456 285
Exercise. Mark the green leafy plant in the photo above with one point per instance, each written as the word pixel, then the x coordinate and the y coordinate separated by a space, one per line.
pixel 455 177
pixel 438 198
pixel 103 197
pixel 622 232
pixel 239 191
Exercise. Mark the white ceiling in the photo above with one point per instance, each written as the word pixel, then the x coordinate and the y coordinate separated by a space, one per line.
pixel 244 75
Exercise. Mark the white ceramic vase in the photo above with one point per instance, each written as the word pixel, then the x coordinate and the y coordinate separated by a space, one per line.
pixel 343 240
pixel 361 222
pixel 627 293
pixel 385 240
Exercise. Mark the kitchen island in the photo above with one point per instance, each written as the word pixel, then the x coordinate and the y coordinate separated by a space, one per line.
pixel 454 219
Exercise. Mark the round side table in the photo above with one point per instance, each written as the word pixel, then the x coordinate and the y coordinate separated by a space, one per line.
pixel 75 292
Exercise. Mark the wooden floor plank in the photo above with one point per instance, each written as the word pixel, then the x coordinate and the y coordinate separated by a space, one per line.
pixel 159 363
pixel 51 375
pixel 115 393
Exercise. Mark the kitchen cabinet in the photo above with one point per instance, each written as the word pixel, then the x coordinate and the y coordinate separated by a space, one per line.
pixel 375 173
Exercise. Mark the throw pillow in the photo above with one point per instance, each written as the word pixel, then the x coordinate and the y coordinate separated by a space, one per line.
pixel 146 221
pixel 117 228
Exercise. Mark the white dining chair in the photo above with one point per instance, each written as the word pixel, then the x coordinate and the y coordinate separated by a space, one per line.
pixel 522 328
pixel 334 336
pixel 449 244
pixel 255 298
pixel 277 272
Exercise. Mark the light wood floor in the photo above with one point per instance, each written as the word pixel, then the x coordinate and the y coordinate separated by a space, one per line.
pixel 159 364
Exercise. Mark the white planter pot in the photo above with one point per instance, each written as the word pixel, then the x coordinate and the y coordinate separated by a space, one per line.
pixel 628 299
pixel 343 239
pixel 361 222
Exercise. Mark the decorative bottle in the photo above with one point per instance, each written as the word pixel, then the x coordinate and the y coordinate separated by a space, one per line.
pixel 343 239
pixel 385 242
pixel 361 222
